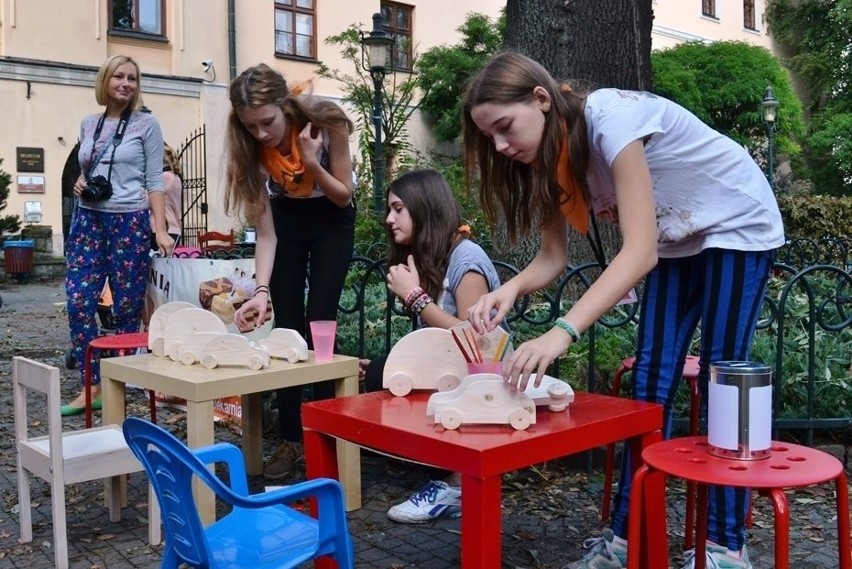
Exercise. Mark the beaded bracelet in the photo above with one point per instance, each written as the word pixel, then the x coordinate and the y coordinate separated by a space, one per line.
pixel 421 303
pixel 412 296
pixel 568 327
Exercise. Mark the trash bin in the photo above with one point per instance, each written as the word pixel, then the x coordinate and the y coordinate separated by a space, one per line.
pixel 739 410
pixel 19 257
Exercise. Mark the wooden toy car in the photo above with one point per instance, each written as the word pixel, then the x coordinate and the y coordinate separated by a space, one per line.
pixel 427 358
pixel 285 344
pixel 482 399
pixel 231 350
pixel 192 345
pixel 182 323
pixel 553 392
pixel 157 325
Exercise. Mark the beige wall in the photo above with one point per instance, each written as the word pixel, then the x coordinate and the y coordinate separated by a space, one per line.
pixel 51 50
pixel 676 21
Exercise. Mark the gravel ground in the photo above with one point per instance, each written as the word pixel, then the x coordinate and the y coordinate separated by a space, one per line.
pixel 547 511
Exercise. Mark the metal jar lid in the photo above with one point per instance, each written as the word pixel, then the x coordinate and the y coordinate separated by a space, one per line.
pixel 739 368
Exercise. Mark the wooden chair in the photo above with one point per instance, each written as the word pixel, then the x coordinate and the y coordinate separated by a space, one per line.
pixel 216 241
pixel 65 458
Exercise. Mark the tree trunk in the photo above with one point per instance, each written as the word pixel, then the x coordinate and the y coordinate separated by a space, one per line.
pixel 604 43
pixel 607 42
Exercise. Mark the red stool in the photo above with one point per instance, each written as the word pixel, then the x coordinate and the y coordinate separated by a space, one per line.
pixel 690 373
pixel 789 466
pixel 130 341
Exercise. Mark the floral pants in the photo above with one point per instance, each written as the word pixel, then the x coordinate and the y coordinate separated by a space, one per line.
pixel 103 247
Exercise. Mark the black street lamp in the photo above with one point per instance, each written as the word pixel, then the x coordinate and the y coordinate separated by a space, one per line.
pixel 769 106
pixel 375 57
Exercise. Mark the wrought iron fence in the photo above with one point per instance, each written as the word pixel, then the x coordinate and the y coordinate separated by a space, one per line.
pixel 805 330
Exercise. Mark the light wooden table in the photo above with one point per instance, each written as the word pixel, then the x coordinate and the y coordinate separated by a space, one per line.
pixel 200 387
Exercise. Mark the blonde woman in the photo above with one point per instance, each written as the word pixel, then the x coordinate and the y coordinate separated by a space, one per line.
pixel 121 180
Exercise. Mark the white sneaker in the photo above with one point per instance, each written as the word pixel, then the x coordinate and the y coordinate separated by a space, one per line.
pixel 434 500
pixel 605 552
pixel 719 557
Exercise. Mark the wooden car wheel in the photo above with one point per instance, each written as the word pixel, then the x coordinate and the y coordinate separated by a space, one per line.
pixel 256 363
pixel 520 419
pixel 400 384
pixel 291 356
pixel 558 392
pixel 447 382
pixel 187 358
pixel 209 361
pixel 451 419
pixel 159 347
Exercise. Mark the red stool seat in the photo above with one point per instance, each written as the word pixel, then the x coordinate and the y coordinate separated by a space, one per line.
pixel 129 341
pixel 789 466
pixel 690 373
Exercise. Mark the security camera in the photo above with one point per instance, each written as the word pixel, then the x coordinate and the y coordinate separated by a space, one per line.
pixel 207 64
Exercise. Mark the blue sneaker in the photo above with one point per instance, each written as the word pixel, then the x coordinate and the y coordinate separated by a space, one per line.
pixel 434 500
pixel 604 553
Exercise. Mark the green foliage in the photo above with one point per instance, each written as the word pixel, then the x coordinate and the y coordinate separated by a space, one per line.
pixel 829 152
pixel 375 306
pixel 444 70
pixel 816 217
pixel 398 103
pixel 832 353
pixel 723 83
pixel 816 34
pixel 9 223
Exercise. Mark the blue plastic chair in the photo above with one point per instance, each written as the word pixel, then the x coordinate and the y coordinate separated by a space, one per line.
pixel 260 531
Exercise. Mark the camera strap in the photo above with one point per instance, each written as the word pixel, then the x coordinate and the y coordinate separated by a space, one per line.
pixel 116 140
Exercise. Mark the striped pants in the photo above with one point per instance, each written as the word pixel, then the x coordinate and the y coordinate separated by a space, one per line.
pixel 723 290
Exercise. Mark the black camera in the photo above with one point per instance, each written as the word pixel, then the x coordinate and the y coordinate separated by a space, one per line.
pixel 97 189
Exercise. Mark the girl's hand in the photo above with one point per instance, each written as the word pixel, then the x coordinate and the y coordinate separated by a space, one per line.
pixel 482 316
pixel 310 141
pixel 165 243
pixel 534 357
pixel 252 314
pixel 403 278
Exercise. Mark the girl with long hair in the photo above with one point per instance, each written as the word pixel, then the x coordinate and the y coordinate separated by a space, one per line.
pixel 289 174
pixel 698 221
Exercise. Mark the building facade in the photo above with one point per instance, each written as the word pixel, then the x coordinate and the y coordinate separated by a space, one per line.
pixel 189 50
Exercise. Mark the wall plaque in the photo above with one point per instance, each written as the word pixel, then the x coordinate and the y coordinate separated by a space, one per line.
pixel 30 159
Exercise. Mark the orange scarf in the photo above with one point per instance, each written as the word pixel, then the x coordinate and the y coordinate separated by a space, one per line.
pixel 288 171
pixel 572 202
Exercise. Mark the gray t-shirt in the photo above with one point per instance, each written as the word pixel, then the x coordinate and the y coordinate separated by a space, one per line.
pixel 466 256
pixel 138 165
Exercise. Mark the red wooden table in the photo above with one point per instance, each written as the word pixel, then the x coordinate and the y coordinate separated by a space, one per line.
pixel 481 453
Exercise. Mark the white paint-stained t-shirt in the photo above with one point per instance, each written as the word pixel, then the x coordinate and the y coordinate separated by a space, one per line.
pixel 708 191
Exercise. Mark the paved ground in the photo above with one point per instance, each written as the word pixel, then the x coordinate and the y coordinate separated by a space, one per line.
pixel 547 511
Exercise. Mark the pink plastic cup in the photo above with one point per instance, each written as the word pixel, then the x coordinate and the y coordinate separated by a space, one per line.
pixel 485 367
pixel 322 332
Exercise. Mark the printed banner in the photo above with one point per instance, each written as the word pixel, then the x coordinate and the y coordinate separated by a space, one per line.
pixel 218 285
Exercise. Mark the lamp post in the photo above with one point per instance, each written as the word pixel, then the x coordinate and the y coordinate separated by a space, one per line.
pixel 769 106
pixel 375 57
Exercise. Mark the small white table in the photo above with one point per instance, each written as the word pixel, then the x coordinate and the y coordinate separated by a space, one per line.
pixel 200 387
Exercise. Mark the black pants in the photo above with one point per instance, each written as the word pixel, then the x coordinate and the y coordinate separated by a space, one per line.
pixel 315 244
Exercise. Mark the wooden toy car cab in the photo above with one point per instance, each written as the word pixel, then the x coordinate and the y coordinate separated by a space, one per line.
pixel 285 344
pixel 482 398
pixel 231 350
